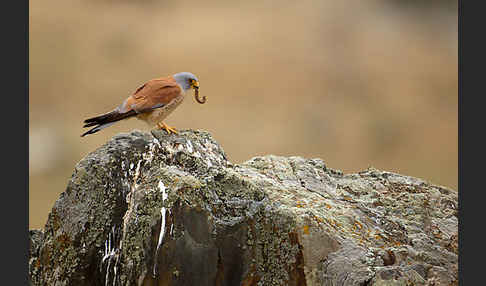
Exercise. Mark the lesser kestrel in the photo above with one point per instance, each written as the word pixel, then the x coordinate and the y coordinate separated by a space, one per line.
pixel 152 102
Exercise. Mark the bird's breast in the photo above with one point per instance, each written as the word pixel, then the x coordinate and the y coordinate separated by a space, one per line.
pixel 157 115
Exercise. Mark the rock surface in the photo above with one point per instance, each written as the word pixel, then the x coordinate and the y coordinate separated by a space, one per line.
pixel 154 209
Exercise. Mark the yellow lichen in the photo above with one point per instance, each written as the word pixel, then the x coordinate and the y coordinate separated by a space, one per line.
pixel 306 229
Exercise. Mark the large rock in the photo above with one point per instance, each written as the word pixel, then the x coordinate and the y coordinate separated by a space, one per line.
pixel 157 209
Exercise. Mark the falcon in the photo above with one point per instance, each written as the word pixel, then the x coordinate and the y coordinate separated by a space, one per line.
pixel 152 102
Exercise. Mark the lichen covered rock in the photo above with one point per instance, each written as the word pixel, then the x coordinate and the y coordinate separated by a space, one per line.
pixel 157 209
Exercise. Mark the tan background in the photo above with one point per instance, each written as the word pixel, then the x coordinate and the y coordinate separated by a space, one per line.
pixel 356 83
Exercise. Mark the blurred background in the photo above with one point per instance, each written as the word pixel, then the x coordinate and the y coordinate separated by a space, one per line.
pixel 356 83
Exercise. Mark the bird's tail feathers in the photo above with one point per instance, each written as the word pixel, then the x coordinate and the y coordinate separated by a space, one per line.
pixel 105 120
pixel 97 128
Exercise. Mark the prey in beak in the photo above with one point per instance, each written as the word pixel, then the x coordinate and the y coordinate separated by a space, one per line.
pixel 195 85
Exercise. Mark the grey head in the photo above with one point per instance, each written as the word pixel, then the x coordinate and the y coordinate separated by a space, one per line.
pixel 186 80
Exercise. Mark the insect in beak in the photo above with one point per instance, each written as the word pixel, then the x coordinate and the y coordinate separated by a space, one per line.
pixel 195 85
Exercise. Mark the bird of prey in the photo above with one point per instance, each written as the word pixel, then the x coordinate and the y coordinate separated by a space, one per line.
pixel 152 102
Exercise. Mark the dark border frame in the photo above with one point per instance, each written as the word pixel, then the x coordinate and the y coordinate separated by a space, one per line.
pixel 15 79
pixel 16 164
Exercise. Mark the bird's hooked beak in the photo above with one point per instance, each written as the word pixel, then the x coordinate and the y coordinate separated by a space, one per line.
pixel 195 85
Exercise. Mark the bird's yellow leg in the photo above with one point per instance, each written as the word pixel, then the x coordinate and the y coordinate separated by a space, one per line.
pixel 167 128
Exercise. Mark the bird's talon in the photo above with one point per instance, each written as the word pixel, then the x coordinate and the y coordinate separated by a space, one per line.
pixel 167 128
pixel 171 130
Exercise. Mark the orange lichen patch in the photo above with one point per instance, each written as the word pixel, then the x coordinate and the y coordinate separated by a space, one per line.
pixel 389 258
pixel 396 243
pixel 328 206
pixel 306 229
pixel 320 219
pixel 336 225
pixel 63 240
pixel 251 279
pixel 453 245
pixel 45 256
pixel 358 225
pixel 55 220
pixel 299 204
pixel 296 271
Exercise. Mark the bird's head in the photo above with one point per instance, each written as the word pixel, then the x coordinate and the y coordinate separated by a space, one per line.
pixel 187 81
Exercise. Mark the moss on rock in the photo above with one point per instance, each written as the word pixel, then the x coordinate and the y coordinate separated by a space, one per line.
pixel 158 209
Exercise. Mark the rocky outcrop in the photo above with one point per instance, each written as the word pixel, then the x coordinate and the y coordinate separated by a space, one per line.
pixel 157 209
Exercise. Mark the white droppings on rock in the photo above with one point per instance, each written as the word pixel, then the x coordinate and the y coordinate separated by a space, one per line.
pixel 109 250
pixel 137 171
pixel 162 190
pixel 149 155
pixel 134 184
pixel 162 227
pixel 109 255
pixel 197 154
pixel 156 142
pixel 189 146
pixel 163 210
